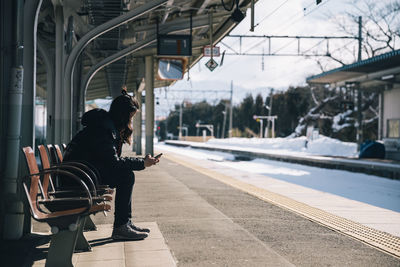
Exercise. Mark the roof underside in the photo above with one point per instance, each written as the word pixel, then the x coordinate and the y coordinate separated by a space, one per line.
pixel 371 72
pixel 173 17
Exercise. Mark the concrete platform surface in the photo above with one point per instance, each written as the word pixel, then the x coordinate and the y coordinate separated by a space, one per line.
pixel 106 252
pixel 208 223
pixel 197 220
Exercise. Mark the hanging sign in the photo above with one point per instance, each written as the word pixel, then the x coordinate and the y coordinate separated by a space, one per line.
pixel 207 51
pixel 211 64
pixel 174 45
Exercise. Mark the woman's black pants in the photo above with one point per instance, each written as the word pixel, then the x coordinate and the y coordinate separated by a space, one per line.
pixel 123 198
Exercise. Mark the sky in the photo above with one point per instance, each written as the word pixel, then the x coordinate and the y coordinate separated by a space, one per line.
pixel 272 17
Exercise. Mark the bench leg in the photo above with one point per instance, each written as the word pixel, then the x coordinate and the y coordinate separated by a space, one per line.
pixel 62 247
pixel 89 225
pixel 82 244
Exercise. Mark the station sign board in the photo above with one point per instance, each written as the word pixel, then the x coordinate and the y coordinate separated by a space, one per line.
pixel 174 45
pixel 207 51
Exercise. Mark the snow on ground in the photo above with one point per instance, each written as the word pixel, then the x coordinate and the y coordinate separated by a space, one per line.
pixel 373 190
pixel 323 146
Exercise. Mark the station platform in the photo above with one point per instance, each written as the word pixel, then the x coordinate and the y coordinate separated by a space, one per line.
pixel 201 217
pixel 384 168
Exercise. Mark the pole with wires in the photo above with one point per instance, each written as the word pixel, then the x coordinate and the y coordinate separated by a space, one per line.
pixel 230 111
pixel 269 112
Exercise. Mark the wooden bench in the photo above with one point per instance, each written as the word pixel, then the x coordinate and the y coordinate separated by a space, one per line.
pixel 100 192
pixel 68 215
pixel 57 158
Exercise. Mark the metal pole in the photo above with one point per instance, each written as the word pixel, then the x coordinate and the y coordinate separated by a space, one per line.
pixel 252 16
pixel 59 70
pixel 359 93
pixel 261 128
pixel 137 121
pixel 269 110
pixel 230 111
pixel 224 121
pixel 359 118
pixel 49 63
pixel 14 210
pixel 29 61
pixel 380 120
pixel 359 37
pixel 31 14
pixel 273 128
pixel 149 80
pixel 180 121
pixel 211 33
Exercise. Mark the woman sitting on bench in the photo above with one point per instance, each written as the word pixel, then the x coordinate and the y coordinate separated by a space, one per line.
pixel 100 144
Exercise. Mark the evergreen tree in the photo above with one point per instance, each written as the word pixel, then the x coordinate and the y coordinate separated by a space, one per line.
pixel 246 112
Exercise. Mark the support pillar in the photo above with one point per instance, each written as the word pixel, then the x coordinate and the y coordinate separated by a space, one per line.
pixel 359 118
pixel 231 111
pixel 28 129
pixel 48 60
pixel 75 117
pixel 149 81
pixel 380 118
pixel 137 126
pixel 31 12
pixel 59 70
pixel 12 223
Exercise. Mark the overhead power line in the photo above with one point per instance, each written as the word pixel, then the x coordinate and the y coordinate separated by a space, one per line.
pixel 270 14
pixel 297 19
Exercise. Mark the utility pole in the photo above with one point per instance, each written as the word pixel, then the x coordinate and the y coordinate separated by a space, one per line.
pixel 224 122
pixel 269 111
pixel 359 37
pixel 231 111
pixel 359 117
pixel 359 93
pixel 180 121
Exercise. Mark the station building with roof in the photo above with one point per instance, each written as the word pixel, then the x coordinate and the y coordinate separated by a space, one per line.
pixel 380 74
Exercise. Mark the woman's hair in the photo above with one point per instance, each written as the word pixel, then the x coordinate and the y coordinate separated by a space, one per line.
pixel 121 111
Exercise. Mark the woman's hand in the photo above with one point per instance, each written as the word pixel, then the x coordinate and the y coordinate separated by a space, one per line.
pixel 150 161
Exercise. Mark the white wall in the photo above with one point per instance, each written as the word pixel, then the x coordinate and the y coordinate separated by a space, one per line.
pixel 391 107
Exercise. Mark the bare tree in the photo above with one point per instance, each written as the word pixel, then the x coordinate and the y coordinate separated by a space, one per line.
pixel 380 29
pixel 380 34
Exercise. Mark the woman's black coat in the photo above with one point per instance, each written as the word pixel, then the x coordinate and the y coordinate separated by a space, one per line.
pixel 99 144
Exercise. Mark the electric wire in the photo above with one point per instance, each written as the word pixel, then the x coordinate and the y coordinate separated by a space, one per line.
pixel 285 27
pixel 293 17
pixel 270 14
pixel 302 17
pixel 285 45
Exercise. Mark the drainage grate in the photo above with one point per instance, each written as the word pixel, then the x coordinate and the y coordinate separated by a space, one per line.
pixel 381 240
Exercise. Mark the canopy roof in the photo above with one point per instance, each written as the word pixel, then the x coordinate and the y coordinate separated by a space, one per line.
pixel 370 72
pixel 173 17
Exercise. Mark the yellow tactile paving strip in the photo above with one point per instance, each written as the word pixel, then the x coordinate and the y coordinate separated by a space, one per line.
pixel 381 240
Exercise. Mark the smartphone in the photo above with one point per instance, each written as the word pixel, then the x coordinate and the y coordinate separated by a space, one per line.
pixel 158 156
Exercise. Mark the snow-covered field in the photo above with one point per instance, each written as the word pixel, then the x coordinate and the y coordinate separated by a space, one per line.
pixel 323 146
pixel 374 190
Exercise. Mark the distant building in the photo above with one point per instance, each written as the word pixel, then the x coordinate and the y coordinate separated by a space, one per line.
pixel 381 74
